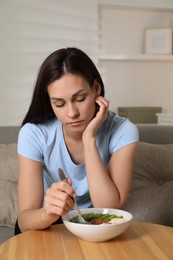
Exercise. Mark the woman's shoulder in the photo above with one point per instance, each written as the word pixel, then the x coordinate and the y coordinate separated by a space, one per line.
pixel 116 123
pixel 114 120
pixel 38 130
pixel 121 132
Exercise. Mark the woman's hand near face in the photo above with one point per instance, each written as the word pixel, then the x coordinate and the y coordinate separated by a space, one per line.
pixel 100 117
pixel 59 198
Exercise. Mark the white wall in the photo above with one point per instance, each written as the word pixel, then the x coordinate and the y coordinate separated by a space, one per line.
pixel 139 84
pixel 30 30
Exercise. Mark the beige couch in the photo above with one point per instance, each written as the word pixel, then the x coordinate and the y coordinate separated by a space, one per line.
pixel 151 195
pixel 8 181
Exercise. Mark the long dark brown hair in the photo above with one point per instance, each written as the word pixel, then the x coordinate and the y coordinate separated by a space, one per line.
pixel 66 60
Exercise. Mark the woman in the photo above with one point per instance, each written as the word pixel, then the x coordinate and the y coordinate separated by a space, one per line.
pixel 69 126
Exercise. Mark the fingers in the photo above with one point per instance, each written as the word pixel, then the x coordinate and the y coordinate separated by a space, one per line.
pixel 103 104
pixel 98 119
pixel 68 180
pixel 59 198
pixel 102 101
pixel 64 186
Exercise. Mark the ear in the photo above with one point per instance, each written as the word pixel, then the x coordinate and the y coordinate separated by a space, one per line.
pixel 97 88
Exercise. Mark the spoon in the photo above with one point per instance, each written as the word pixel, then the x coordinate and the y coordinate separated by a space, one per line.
pixel 81 219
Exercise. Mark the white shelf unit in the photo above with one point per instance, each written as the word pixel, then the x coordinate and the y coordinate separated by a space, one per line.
pixel 124 38
pixel 164 119
pixel 131 77
pixel 137 57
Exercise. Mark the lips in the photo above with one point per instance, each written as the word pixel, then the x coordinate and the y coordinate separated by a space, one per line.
pixel 76 123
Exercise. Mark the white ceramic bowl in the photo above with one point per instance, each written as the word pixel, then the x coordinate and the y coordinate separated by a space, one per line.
pixel 97 233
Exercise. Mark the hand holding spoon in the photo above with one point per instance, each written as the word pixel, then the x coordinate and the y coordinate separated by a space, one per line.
pixel 81 219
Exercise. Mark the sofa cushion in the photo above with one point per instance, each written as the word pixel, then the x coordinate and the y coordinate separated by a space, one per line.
pixel 8 184
pixel 6 233
pixel 151 194
pixel 8 162
pixel 153 163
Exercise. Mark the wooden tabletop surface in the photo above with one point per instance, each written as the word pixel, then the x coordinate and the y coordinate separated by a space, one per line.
pixel 140 241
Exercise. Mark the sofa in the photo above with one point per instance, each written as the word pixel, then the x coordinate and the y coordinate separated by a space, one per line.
pixel 151 194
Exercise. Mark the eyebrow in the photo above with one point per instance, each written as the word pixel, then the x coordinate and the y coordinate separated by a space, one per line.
pixel 73 96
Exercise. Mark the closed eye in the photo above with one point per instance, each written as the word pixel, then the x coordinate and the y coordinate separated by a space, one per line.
pixel 80 99
pixel 58 102
pixel 59 105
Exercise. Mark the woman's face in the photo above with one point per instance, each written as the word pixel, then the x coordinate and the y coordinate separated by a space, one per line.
pixel 73 101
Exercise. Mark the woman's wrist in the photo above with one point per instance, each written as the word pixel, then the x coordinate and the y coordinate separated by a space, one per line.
pixel 36 219
pixel 89 141
pixel 88 137
pixel 48 218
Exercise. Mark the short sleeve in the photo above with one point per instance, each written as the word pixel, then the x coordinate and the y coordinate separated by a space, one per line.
pixel 30 142
pixel 125 134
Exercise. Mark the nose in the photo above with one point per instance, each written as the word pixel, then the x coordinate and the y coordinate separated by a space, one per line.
pixel 72 111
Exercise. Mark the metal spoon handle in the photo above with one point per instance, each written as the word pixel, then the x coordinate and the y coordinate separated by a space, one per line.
pixel 63 177
pixel 61 174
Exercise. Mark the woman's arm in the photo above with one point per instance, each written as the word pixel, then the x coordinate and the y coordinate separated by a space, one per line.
pixel 57 202
pixel 108 187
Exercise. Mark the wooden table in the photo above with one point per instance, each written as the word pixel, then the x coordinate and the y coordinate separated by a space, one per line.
pixel 139 241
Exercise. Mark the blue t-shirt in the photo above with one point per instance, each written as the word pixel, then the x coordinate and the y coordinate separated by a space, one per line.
pixel 45 143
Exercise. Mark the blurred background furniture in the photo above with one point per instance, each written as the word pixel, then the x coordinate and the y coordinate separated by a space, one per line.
pixel 151 194
pixel 138 115
pixel 164 118
pixel 8 180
